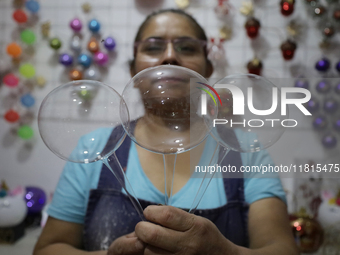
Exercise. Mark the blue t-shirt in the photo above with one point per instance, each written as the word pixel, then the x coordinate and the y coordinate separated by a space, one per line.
pixel 71 196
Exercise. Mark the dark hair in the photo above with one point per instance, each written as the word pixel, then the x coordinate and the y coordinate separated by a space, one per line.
pixel 200 32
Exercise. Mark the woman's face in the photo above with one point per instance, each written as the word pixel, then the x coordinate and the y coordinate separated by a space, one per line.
pixel 170 26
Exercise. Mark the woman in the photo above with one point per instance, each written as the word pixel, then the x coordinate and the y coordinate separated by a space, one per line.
pixel 222 226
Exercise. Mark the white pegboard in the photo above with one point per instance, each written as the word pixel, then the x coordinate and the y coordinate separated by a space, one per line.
pixel 33 164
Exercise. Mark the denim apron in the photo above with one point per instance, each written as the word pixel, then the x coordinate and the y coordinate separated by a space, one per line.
pixel 110 213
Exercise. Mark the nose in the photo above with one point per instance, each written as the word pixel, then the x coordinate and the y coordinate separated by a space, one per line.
pixel 169 56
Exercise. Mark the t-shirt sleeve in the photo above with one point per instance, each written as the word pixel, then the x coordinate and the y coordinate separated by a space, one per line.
pixel 258 185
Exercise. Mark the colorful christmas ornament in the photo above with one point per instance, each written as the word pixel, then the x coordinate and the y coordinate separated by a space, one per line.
pixel 93 45
pixel 223 8
pixel 14 50
pixel 301 83
pixel 288 49
pixel 294 28
pixel 322 65
pixel 85 94
pixel 328 31
pixel 11 116
pixel 27 70
pixel 337 66
pixel 25 132
pixel 320 122
pixel 323 87
pixel 329 141
pixel 33 6
pixel 86 7
pixel 76 25
pixel 287 7
pixel 226 32
pixel 247 8
pixel 252 26
pixel 41 81
pixel 101 58
pixel 45 28
pixel 336 15
pixel 109 43
pixel 75 75
pixel 330 105
pixel 308 233
pixel 336 125
pixel 11 80
pixel 27 100
pixel 66 59
pixel 55 43
pixel 94 26
pixel 182 4
pixel 92 74
pixel 255 66
pixel 337 89
pixel 319 11
pixel 75 44
pixel 84 60
pixel 27 36
pixel 20 16
pixel 312 105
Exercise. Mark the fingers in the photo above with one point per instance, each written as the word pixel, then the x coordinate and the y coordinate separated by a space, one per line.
pixel 170 217
pixel 151 250
pixel 158 236
pixel 127 245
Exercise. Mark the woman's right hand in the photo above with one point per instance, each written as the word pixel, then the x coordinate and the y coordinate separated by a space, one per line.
pixel 127 245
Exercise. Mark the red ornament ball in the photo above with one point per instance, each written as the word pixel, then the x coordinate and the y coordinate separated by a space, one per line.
pixel 288 49
pixel 11 116
pixel 11 80
pixel 287 7
pixel 20 16
pixel 252 26
pixel 255 66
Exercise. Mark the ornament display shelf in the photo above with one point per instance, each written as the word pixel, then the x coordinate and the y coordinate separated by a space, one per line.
pixel 25 245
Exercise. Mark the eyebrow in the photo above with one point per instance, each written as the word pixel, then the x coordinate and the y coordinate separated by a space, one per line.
pixel 181 37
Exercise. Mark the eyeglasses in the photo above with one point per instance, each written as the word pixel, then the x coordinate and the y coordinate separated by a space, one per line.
pixel 185 47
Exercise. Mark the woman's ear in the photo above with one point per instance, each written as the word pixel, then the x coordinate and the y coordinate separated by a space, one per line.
pixel 210 69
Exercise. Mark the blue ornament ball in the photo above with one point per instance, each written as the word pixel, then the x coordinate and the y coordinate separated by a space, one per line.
pixel 110 43
pixel 94 26
pixel 66 59
pixel 329 141
pixel 337 66
pixel 33 6
pixel 312 105
pixel 319 123
pixel 337 89
pixel 330 105
pixel 27 100
pixel 84 60
pixel 323 87
pixel 302 83
pixel 323 65
pixel 336 125
pixel 35 199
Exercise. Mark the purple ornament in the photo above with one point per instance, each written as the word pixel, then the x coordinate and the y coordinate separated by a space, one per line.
pixel 322 65
pixel 329 141
pixel 330 105
pixel 336 125
pixel 110 43
pixel 320 123
pixel 35 199
pixel 300 83
pixel 337 66
pixel 76 25
pixel 312 105
pixel 101 58
pixel 66 59
pixel 323 87
pixel 337 89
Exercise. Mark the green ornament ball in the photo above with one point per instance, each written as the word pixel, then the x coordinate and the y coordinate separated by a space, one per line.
pixel 85 94
pixel 25 132
pixel 27 36
pixel 27 70
pixel 55 43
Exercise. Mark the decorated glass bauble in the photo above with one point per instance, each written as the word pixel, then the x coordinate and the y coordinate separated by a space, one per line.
pixel 312 105
pixel 75 75
pixel 94 26
pixel 27 36
pixel 14 50
pixel 110 43
pixel 288 49
pixel 323 87
pixel 301 83
pixel 33 6
pixel 55 43
pixel 330 105
pixel 27 70
pixel 11 116
pixel 66 59
pixel 320 122
pixel 329 141
pixel 252 26
pixel 255 66
pixel 76 25
pixel 25 132
pixel 27 100
pixel 92 74
pixel 20 16
pixel 101 58
pixel 11 80
pixel 84 60
pixel 308 233
pixel 93 45
pixel 323 65
pixel 287 7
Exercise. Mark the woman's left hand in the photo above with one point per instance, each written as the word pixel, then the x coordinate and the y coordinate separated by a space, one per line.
pixel 174 231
